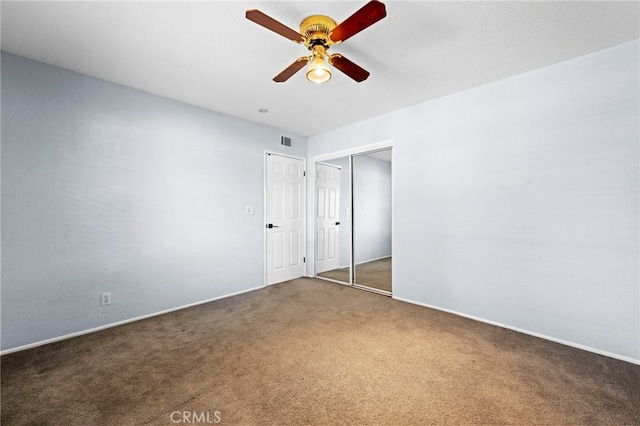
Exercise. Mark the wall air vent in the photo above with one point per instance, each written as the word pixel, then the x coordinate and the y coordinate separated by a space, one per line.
pixel 285 141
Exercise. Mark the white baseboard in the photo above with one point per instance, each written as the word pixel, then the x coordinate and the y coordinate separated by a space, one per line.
pixel 366 261
pixel 530 333
pixel 116 324
pixel 166 311
pixel 373 260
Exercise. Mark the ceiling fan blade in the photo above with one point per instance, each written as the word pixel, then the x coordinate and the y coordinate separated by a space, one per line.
pixel 291 69
pixel 349 68
pixel 368 15
pixel 273 25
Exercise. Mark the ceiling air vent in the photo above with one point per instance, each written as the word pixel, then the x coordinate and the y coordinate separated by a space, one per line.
pixel 285 141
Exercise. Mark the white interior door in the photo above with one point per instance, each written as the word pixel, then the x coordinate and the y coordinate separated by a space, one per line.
pixel 327 217
pixel 285 212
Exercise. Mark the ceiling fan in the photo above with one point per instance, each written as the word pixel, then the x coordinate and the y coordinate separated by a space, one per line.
pixel 318 33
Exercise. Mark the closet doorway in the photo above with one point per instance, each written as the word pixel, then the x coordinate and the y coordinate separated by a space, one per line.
pixel 358 251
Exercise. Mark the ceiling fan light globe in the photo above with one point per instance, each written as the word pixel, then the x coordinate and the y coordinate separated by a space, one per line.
pixel 318 76
pixel 318 71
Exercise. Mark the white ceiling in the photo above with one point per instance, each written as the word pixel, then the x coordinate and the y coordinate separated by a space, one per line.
pixel 207 54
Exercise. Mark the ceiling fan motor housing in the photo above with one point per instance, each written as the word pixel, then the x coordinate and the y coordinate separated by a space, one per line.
pixel 316 30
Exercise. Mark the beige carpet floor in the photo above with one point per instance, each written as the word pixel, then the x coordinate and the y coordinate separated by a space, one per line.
pixel 341 274
pixel 310 352
pixel 375 274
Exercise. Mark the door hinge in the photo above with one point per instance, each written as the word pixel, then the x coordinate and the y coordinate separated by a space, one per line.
pixel 304 260
pixel 304 173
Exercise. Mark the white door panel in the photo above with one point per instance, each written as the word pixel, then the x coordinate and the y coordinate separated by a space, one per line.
pixel 285 190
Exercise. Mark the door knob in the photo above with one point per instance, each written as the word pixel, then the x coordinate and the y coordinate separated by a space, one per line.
pixel 271 225
pixel 337 223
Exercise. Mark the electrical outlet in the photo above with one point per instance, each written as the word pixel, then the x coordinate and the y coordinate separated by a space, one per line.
pixel 105 299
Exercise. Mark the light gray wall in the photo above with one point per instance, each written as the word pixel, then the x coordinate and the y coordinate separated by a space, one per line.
pixel 517 202
pixel 372 208
pixel 109 189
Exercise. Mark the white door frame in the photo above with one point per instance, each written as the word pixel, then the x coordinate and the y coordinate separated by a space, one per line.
pixel 347 153
pixel 265 154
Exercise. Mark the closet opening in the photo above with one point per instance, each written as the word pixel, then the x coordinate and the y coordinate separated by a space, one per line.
pixel 353 207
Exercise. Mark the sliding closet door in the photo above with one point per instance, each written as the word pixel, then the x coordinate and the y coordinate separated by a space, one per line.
pixel 333 220
pixel 327 207
pixel 372 229
pixel 362 205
